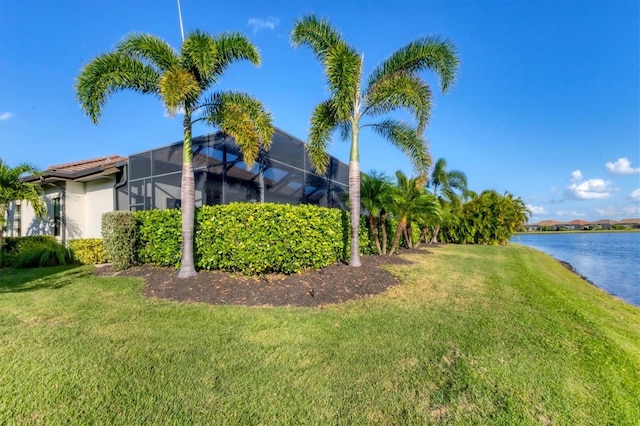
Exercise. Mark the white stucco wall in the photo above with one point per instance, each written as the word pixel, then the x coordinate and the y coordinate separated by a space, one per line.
pixel 99 200
pixel 30 224
pixel 75 210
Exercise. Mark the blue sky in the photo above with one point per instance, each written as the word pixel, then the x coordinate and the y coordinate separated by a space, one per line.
pixel 546 104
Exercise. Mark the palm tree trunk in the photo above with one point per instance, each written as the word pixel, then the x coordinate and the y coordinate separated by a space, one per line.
pixel 187 195
pixel 354 197
pixel 408 235
pixel 373 228
pixel 436 229
pixel 424 233
pixel 383 230
pixel 396 239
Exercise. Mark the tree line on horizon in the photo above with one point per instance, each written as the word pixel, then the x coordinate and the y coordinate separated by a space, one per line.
pixel 183 80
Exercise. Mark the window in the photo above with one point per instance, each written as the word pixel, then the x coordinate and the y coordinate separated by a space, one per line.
pixel 17 220
pixel 56 217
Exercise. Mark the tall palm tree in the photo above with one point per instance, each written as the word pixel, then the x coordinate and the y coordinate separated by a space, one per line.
pixel 182 79
pixel 410 201
pixel 375 197
pixel 12 188
pixel 394 84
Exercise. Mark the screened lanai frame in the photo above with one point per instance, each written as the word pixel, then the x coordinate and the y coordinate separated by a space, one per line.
pixel 281 175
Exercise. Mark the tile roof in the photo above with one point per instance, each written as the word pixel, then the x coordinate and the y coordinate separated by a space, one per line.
pixel 605 222
pixel 85 165
pixel 85 170
pixel 630 221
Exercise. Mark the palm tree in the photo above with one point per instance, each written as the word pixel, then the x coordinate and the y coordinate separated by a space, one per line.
pixel 449 186
pixel 394 84
pixel 147 64
pixel 444 181
pixel 375 197
pixel 12 188
pixel 410 201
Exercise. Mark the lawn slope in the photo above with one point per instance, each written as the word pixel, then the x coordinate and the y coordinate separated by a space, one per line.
pixel 474 335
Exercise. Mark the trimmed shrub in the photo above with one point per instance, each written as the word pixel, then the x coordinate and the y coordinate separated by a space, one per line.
pixel 89 251
pixel 119 234
pixel 160 236
pixel 250 238
pixel 261 238
pixel 44 254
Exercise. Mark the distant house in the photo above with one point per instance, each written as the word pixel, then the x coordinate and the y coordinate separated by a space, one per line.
pixel 605 223
pixel 549 225
pixel 78 194
pixel 575 224
pixel 631 223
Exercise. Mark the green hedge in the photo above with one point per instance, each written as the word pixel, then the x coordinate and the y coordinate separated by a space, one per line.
pixel 159 236
pixel 119 234
pixel 89 251
pixel 251 238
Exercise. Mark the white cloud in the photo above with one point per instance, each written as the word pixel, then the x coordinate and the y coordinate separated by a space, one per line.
pixel 592 189
pixel 569 214
pixel 263 24
pixel 5 116
pixel 576 176
pixel 178 111
pixel 635 194
pixel 536 210
pixel 622 167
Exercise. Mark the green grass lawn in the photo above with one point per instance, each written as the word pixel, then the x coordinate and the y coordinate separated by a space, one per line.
pixel 474 335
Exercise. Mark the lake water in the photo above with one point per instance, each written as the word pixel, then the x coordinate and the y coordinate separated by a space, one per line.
pixel 610 260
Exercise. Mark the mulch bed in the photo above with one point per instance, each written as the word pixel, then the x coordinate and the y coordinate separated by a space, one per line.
pixel 336 283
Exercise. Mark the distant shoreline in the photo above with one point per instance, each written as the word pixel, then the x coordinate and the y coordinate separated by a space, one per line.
pixel 578 231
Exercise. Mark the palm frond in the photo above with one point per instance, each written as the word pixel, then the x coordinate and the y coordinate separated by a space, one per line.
pixel 427 53
pixel 400 90
pixel 317 34
pixel 109 73
pixel 343 68
pixel 243 117
pixel 149 49
pixel 207 57
pixel 323 123
pixel 405 137
pixel 13 188
pixel 177 87
pixel 375 191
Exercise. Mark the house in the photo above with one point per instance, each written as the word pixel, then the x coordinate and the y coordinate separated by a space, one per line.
pixel 77 194
pixel 575 225
pixel 605 223
pixel 631 223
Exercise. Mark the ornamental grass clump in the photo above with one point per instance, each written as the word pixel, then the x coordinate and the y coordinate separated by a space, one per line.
pixel 44 254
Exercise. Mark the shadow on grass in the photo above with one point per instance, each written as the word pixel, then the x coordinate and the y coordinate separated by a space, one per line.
pixel 13 280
